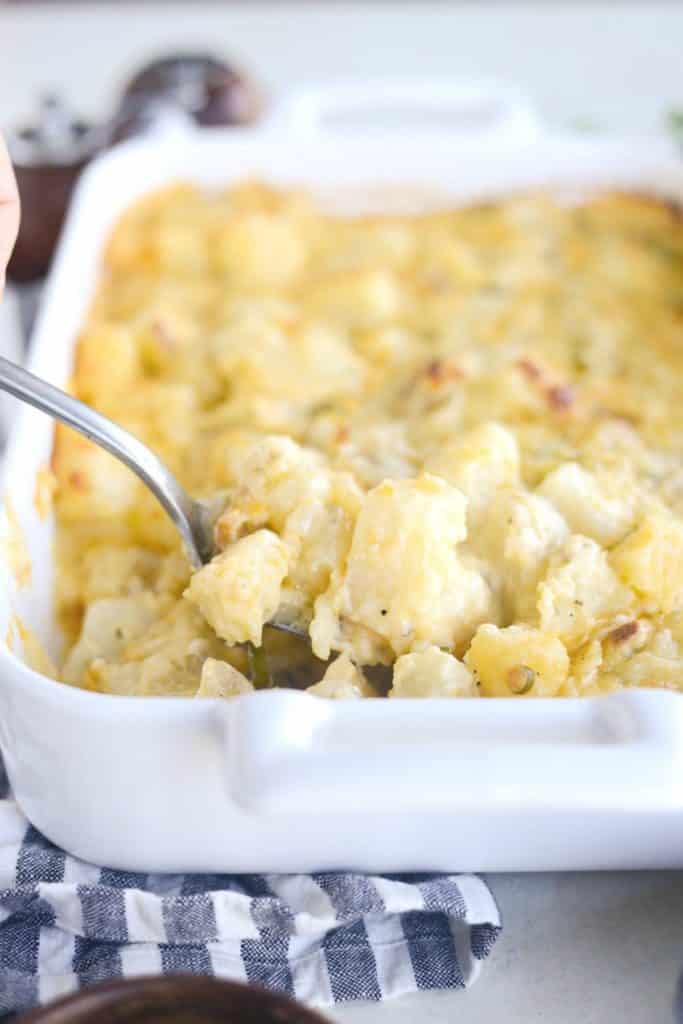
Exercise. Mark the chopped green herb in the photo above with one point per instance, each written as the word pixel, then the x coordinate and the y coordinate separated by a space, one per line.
pixel 258 667
pixel 520 679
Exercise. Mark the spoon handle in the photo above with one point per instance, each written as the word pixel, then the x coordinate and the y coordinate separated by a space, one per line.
pixel 185 513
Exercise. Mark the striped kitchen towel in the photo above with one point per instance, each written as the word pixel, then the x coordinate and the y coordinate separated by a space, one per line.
pixel 325 938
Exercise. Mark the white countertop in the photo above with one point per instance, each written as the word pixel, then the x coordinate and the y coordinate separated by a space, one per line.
pixel 575 948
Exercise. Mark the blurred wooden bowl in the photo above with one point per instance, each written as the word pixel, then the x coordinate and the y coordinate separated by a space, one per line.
pixel 173 999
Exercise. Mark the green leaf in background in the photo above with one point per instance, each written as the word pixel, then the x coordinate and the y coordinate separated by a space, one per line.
pixel 674 122
pixel 585 124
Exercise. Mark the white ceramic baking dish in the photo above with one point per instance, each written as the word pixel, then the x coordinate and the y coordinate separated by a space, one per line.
pixel 281 781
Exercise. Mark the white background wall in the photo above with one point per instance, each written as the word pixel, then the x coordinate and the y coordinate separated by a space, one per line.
pixel 616 63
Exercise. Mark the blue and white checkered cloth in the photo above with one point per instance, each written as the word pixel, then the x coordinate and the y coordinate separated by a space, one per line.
pixel 325 938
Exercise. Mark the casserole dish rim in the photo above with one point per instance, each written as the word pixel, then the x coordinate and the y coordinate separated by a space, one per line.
pixel 633 713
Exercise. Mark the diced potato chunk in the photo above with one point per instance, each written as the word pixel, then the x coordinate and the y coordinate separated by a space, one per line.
pixel 478 464
pixel 404 579
pixel 92 484
pixel 305 362
pixel 432 673
pixel 360 299
pixel 219 679
pixel 624 654
pixel 114 571
pixel 517 661
pixel 318 535
pixel 518 538
pixel 579 590
pixel 106 362
pixel 271 478
pixel 239 590
pixel 165 658
pixel 590 505
pixel 258 248
pixel 650 560
pixel 109 625
pixel 342 679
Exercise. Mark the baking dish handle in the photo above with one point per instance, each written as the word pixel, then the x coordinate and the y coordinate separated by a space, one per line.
pixel 288 751
pixel 379 107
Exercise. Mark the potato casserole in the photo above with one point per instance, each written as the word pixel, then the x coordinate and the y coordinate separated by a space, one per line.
pixel 448 443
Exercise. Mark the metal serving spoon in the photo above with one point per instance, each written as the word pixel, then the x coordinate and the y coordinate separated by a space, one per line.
pixel 193 519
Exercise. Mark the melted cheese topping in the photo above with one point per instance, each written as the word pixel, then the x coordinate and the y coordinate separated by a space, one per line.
pixel 449 442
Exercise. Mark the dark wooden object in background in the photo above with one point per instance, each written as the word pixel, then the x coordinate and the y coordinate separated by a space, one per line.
pixel 49 154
